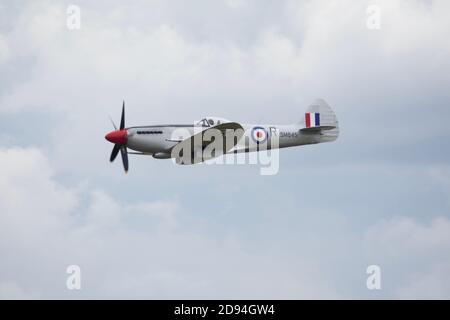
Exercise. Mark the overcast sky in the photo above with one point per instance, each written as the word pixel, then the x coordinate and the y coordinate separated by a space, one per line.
pixel 379 195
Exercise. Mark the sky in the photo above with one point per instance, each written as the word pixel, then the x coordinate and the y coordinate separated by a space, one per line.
pixel 379 195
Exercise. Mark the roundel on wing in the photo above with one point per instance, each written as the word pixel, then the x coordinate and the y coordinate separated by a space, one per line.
pixel 259 134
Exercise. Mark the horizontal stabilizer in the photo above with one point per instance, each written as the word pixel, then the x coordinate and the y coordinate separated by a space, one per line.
pixel 316 129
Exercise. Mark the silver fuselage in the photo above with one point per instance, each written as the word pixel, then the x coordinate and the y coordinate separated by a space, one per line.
pixel 160 139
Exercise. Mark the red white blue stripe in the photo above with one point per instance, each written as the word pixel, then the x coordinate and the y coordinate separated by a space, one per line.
pixel 312 119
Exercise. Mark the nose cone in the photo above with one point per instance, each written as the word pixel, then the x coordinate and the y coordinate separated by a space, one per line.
pixel 117 137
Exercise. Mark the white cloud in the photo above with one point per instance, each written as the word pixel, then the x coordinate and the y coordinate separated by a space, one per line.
pixel 31 203
pixel 11 291
pixel 400 237
pixel 245 60
pixel 46 226
pixel 146 250
pixel 161 211
pixel 235 4
pixel 413 255
pixel 4 50
pixel 433 283
pixel 103 211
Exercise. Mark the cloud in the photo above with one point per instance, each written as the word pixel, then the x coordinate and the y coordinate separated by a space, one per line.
pixel 44 220
pixel 12 291
pixel 303 51
pixel 212 231
pixel 160 249
pixel 161 211
pixel 4 50
pixel 25 189
pixel 413 255
pixel 46 226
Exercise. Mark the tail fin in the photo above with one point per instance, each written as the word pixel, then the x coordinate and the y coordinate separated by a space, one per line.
pixel 320 118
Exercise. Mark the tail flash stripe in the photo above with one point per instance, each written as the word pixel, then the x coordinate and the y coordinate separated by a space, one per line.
pixel 308 120
pixel 317 119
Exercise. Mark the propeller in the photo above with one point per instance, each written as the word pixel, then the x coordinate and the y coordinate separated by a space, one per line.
pixel 119 138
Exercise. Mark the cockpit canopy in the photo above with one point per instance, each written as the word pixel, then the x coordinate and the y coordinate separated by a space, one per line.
pixel 211 121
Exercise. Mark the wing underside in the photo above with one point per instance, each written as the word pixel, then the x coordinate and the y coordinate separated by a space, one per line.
pixel 208 144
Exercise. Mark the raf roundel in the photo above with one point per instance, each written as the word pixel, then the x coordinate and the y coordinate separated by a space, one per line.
pixel 259 135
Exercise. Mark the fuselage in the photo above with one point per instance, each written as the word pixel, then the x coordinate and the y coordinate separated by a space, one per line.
pixel 159 140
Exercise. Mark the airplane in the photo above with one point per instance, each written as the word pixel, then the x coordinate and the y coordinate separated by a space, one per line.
pixel 187 143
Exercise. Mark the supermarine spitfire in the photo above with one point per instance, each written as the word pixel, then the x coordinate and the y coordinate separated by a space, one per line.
pixel 213 137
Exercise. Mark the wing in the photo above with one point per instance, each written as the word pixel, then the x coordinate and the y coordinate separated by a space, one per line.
pixel 208 144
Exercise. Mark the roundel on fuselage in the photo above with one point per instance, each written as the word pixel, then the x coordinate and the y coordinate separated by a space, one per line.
pixel 259 134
